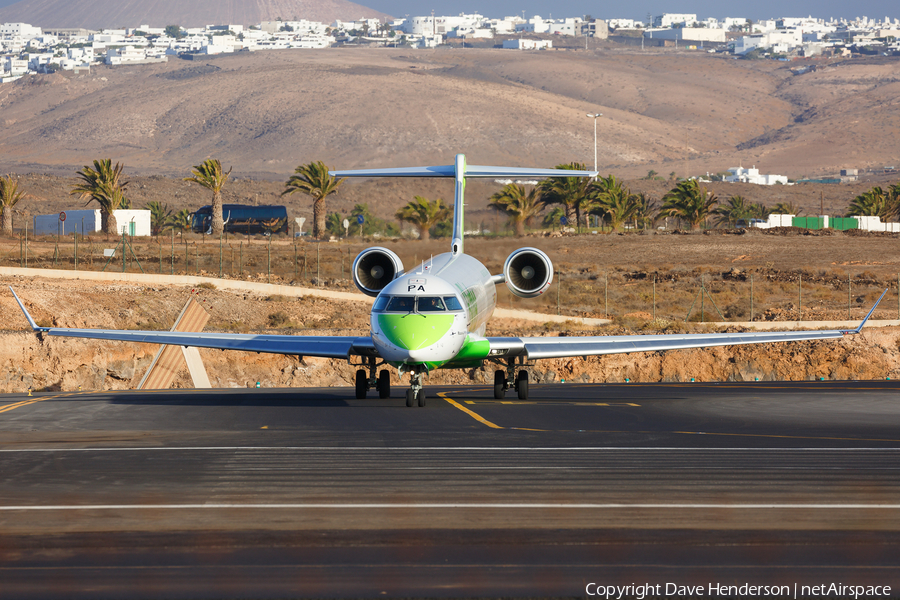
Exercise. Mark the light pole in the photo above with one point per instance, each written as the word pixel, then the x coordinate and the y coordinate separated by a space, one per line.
pixel 594 116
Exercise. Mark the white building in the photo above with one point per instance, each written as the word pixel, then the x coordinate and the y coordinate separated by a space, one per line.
pixel 672 19
pixel 742 175
pixel 22 31
pixel 778 40
pixel 624 24
pixel 520 44
pixel 131 222
pixel 688 34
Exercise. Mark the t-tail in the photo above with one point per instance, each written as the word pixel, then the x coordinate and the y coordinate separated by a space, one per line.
pixel 460 171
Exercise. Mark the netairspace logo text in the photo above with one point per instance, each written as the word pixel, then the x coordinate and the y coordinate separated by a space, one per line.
pixel 824 590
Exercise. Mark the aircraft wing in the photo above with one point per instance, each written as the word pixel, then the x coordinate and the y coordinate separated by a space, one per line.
pixel 321 346
pixel 535 348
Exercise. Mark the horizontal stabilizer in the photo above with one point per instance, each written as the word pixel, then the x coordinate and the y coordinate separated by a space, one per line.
pixel 470 171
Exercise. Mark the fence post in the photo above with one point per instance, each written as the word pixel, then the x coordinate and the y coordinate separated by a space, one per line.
pixel 654 297
pixel 269 261
pixel 75 237
pixel 241 261
pixel 123 250
pixel 702 300
pixel 751 297
pixel 295 259
pixel 220 256
pixel 172 266
pixel 160 254
pixel 318 270
pixel 606 295
pixel 800 299
pixel 848 295
pixel 558 284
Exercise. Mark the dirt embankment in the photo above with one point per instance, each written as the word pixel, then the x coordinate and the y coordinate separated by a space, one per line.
pixel 27 361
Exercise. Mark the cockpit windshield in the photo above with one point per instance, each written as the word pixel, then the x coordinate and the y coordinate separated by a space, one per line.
pixel 422 304
pixel 401 304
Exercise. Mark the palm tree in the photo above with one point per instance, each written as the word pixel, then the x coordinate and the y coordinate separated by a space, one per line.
pixel 160 216
pixel 614 201
pixel 313 179
pixel 758 210
pixel 103 183
pixel 645 210
pixel 334 224
pixel 552 218
pixel 892 202
pixel 520 206
pixel 209 174
pixel 872 203
pixel 734 210
pixel 181 221
pixel 9 197
pixel 690 202
pixel 424 214
pixel 575 193
pixel 786 208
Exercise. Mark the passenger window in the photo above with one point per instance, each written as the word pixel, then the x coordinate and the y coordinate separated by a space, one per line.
pixel 452 303
pixel 380 303
pixel 431 304
pixel 401 304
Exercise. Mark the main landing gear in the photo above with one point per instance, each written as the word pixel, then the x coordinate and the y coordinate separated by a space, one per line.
pixel 502 380
pixel 365 382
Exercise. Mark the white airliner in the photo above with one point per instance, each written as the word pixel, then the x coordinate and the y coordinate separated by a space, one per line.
pixel 434 315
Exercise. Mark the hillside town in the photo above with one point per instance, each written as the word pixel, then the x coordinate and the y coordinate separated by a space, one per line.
pixel 26 48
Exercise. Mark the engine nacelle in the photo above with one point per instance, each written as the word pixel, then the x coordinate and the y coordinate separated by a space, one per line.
pixel 374 268
pixel 528 272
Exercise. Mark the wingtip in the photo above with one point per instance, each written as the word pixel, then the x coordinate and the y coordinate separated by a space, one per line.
pixel 34 326
pixel 869 314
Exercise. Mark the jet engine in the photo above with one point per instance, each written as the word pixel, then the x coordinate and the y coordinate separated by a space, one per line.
pixel 374 268
pixel 528 272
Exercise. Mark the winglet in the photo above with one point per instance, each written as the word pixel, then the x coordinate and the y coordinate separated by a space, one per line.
pixel 34 326
pixel 858 329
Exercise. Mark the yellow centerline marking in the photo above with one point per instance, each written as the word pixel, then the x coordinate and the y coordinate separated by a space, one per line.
pixel 471 413
pixel 33 400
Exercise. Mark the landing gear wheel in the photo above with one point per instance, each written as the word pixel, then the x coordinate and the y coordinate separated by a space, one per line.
pixel 522 384
pixel 499 385
pixel 362 384
pixel 410 397
pixel 384 384
pixel 420 395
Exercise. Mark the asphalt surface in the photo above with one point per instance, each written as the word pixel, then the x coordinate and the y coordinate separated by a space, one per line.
pixel 308 493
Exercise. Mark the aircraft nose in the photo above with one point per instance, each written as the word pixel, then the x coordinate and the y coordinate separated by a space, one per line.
pixel 414 331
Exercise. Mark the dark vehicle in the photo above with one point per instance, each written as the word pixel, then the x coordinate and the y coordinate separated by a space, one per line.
pixel 240 218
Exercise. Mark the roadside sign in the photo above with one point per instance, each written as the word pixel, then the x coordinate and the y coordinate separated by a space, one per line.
pixel 62 216
pixel 360 219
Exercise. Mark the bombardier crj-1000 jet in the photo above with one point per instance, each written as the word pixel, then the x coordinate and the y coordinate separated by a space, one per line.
pixel 434 315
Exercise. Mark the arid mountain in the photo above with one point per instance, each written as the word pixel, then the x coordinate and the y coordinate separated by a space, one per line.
pixel 266 112
pixel 98 14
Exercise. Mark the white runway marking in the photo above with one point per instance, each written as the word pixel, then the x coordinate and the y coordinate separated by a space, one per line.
pixel 464 506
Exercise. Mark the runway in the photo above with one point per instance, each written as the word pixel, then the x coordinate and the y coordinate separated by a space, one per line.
pixel 308 493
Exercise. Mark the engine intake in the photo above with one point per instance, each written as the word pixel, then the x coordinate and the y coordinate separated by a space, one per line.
pixel 374 268
pixel 528 272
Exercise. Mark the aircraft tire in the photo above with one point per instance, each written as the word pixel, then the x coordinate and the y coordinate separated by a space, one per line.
pixel 362 384
pixel 522 384
pixel 384 384
pixel 499 385
pixel 410 397
pixel 421 397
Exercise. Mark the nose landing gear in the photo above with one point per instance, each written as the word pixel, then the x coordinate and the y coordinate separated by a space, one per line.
pixel 416 392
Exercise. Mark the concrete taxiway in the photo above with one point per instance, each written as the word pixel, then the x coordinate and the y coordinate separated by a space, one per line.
pixel 284 493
